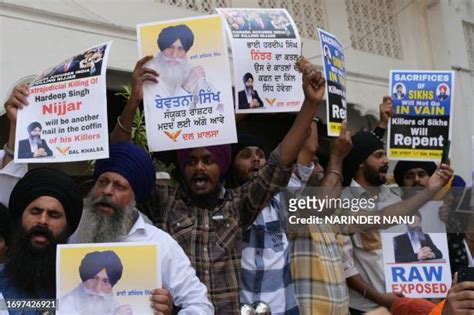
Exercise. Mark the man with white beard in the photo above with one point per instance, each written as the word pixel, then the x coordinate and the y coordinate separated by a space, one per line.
pixel 99 272
pixel 178 77
pixel 110 215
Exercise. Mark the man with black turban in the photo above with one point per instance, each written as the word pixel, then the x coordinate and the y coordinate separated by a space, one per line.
pixel 413 176
pixel 34 146
pixel 248 97
pixel 365 170
pixel 99 272
pixel 110 215
pixel 45 207
pixel 178 76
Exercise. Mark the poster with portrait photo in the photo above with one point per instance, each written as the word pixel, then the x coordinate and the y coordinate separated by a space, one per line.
pixel 106 278
pixel 416 256
pixel 66 119
pixel 335 74
pixel 265 46
pixel 191 105
pixel 422 118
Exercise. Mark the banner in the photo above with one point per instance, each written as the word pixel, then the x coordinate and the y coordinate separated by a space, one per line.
pixel 191 105
pixel 421 123
pixel 416 261
pixel 66 119
pixel 265 45
pixel 106 278
pixel 335 72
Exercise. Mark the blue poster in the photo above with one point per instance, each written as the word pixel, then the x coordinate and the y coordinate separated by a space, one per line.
pixel 335 73
pixel 421 122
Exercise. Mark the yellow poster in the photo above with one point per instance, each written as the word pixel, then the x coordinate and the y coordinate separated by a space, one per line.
pixel 191 105
pixel 106 278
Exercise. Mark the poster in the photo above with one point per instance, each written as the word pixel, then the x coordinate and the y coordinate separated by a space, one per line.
pixel 416 257
pixel 335 74
pixel 66 119
pixel 191 105
pixel 104 278
pixel 265 45
pixel 421 122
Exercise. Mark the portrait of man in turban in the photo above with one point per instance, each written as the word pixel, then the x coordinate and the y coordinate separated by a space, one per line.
pixel 34 146
pixel 248 97
pixel 178 76
pixel 99 271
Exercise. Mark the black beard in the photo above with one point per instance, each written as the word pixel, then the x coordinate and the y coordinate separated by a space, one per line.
pixel 33 269
pixel 205 201
pixel 372 176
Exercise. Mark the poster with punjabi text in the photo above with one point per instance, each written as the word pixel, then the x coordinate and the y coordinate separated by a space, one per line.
pixel 106 278
pixel 191 105
pixel 265 46
pixel 66 119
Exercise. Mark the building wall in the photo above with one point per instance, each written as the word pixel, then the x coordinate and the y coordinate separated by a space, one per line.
pixel 37 34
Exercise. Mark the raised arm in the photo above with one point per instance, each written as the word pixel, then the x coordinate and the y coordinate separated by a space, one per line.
pixel 123 128
pixel 313 87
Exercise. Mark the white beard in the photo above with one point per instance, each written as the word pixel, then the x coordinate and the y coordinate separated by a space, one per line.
pixel 85 302
pixel 97 228
pixel 172 74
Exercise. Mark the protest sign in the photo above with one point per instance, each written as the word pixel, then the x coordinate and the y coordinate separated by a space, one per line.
pixel 191 105
pixel 122 274
pixel 335 72
pixel 416 257
pixel 421 122
pixel 265 45
pixel 66 119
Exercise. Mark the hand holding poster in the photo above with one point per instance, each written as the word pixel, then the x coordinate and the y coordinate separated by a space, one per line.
pixel 265 45
pixel 66 119
pixel 335 72
pixel 191 105
pixel 416 262
pixel 103 278
pixel 421 122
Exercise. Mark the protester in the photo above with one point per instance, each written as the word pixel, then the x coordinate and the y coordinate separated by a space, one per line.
pixel 265 261
pixel 127 177
pixel 201 215
pixel 316 260
pixel 45 207
pixel 367 166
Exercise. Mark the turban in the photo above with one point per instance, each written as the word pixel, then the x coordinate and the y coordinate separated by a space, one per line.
pixel 220 153
pixel 94 262
pixel 133 163
pixel 443 88
pixel 34 125
pixel 172 33
pixel 412 306
pixel 404 166
pixel 245 140
pixel 247 76
pixel 364 143
pixel 47 182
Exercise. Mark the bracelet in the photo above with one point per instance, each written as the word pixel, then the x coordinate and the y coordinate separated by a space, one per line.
pixel 8 150
pixel 119 123
pixel 365 292
pixel 316 119
pixel 337 173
